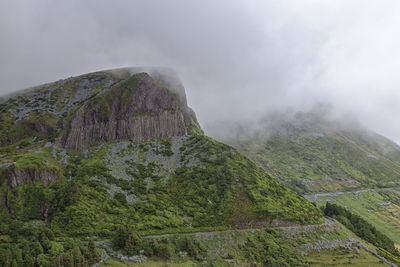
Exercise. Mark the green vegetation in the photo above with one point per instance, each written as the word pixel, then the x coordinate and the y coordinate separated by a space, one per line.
pixel 343 257
pixel 319 156
pixel 238 194
pixel 364 230
pixel 311 154
pixel 165 147
pixel 41 111
pixel 194 128
pixel 174 200
pixel 259 248
pixel 34 244
pixel 37 123
pixel 268 249
pixel 377 207
pixel 39 160
pixel 161 248
pixel 123 91
pixel 233 185
pixel 149 263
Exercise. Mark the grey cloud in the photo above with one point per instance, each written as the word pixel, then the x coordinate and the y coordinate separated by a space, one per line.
pixel 237 59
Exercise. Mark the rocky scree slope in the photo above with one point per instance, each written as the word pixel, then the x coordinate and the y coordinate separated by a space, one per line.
pixel 90 154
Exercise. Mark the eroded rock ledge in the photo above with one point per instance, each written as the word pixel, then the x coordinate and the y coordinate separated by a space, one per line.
pixel 16 177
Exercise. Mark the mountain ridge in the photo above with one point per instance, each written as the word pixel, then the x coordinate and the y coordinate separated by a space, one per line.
pixel 316 147
pixel 329 161
pixel 63 180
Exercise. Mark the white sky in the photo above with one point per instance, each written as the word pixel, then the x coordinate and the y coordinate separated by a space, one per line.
pixel 237 59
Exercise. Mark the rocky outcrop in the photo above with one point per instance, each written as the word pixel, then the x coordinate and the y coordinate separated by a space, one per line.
pixel 137 129
pixel 39 127
pixel 139 109
pixel 16 176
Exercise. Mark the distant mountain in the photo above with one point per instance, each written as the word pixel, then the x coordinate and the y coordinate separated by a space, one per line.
pixel 310 153
pixel 328 160
pixel 116 152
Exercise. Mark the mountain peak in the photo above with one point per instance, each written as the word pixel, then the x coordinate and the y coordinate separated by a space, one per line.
pixel 129 103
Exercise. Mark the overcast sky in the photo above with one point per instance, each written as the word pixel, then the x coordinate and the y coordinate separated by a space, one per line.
pixel 237 59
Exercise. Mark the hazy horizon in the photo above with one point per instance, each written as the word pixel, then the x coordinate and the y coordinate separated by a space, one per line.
pixel 238 60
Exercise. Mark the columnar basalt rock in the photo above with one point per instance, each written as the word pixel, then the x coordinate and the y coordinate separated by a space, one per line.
pixel 138 129
pixel 82 111
pixel 138 109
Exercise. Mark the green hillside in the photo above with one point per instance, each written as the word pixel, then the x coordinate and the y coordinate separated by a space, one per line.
pixel 112 168
pixel 330 161
pixel 315 245
pixel 56 202
pixel 310 154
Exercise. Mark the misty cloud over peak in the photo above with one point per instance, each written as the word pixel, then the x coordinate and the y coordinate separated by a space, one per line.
pixel 238 60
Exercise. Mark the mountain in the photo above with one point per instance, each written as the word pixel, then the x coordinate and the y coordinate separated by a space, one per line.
pixel 328 160
pixel 118 155
pixel 312 154
pixel 98 107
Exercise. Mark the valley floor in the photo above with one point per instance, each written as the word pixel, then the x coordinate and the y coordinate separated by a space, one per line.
pixel 377 206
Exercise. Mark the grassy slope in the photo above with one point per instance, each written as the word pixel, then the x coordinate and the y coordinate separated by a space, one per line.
pixel 153 195
pixel 203 183
pixel 227 248
pixel 386 218
pixel 320 157
pixel 342 257
pixel 195 185
pixel 184 184
pixel 339 257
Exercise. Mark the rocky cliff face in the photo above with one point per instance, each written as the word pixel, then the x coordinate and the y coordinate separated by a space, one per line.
pixel 16 177
pixel 138 109
pixel 78 112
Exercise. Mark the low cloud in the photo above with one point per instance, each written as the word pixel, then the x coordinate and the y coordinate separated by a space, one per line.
pixel 237 59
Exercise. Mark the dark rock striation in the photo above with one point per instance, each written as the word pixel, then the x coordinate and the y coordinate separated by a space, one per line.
pixel 138 108
pixel 16 177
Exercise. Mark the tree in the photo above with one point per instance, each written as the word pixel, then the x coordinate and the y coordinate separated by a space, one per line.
pixel 133 244
pixel 92 255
